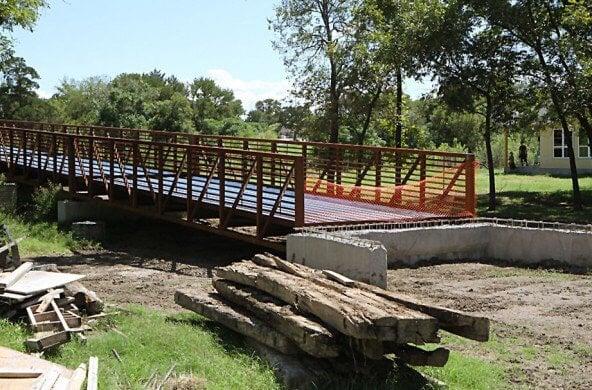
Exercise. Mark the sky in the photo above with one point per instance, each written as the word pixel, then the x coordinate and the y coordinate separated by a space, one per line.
pixel 226 40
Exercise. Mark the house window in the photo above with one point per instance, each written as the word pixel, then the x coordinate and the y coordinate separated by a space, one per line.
pixel 559 144
pixel 584 143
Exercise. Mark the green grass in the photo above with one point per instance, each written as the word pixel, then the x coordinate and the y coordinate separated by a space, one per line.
pixel 505 360
pixel 470 373
pixel 151 343
pixel 42 238
pixel 539 197
pixel 466 371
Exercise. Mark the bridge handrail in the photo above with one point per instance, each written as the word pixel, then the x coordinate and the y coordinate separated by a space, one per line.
pixel 254 140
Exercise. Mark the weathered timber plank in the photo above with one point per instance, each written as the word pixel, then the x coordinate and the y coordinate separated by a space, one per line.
pixel 418 357
pixel 48 326
pixel 93 373
pixel 78 377
pixel 47 299
pixel 454 321
pixel 352 314
pixel 35 301
pixel 40 281
pixel 10 279
pixel 337 277
pixel 10 359
pixel 42 341
pixel 409 354
pixel 47 316
pixel 311 336
pixel 241 321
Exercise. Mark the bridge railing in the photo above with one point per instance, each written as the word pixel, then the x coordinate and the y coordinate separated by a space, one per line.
pixel 430 181
pixel 235 183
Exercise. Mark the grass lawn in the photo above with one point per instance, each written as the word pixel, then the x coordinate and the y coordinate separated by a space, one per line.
pixel 41 238
pixel 151 342
pixel 540 197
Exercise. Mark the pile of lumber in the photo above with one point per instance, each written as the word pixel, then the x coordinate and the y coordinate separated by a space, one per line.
pixel 22 371
pixel 51 302
pixel 296 310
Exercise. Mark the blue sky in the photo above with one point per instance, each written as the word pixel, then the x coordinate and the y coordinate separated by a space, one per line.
pixel 227 40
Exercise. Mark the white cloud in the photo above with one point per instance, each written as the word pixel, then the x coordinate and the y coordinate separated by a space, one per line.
pixel 44 94
pixel 250 91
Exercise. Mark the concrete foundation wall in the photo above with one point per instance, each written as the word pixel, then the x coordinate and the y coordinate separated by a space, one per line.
pixel 357 259
pixel 529 246
pixel 483 240
pixel 78 211
pixel 410 246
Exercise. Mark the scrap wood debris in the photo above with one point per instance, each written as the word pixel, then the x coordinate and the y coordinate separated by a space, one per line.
pixel 9 250
pixel 296 310
pixel 22 371
pixel 50 302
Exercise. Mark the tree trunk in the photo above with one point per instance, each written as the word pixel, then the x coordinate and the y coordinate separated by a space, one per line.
pixel 490 167
pixel 399 109
pixel 369 115
pixel 557 103
pixel 333 107
pixel 399 125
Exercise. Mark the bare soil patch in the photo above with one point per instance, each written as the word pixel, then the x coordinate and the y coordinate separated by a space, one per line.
pixel 144 265
pixel 542 328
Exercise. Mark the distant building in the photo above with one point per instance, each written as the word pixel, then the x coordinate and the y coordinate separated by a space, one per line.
pixel 552 156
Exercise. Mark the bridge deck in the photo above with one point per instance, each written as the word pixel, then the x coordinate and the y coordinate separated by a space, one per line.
pixel 318 210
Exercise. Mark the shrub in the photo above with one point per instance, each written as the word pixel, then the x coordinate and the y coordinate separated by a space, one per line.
pixel 45 202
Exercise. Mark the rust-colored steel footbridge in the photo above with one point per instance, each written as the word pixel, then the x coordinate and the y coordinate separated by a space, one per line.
pixel 255 190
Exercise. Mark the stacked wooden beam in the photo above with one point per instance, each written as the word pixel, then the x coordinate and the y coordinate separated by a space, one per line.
pixel 297 310
pixel 50 301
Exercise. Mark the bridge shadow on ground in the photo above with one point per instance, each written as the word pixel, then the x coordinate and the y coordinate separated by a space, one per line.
pixel 160 246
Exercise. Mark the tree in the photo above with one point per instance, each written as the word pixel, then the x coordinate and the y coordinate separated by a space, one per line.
pixel 315 40
pixel 476 68
pixel 129 102
pixel 445 126
pixel 17 81
pixel 19 13
pixel 267 111
pixel 236 127
pixel 173 114
pixel 81 102
pixel 209 101
pixel 530 22
pixel 399 35
pixel 299 119
pixel 149 100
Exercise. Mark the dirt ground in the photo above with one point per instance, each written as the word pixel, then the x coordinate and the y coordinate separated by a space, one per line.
pixel 145 264
pixel 542 320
